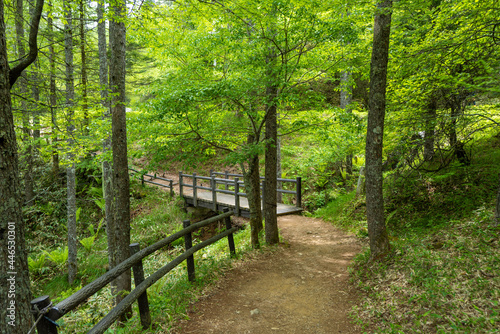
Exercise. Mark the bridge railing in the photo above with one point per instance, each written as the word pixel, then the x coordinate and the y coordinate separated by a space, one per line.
pixel 46 314
pixel 144 179
pixel 232 186
pixel 297 181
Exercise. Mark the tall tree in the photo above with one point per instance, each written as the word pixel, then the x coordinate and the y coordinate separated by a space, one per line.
pixel 70 170
pixel 117 40
pixel 107 175
pixel 379 240
pixel 15 294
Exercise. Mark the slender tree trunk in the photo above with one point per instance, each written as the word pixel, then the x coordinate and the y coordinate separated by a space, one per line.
pixel 15 293
pixel 53 95
pixel 83 54
pixel 279 172
pixel 107 174
pixel 345 100
pixel 379 241
pixel 117 39
pixel 252 186
pixel 70 170
pixel 23 91
pixel 430 121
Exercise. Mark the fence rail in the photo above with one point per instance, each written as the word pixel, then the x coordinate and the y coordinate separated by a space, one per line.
pixel 154 177
pixel 46 314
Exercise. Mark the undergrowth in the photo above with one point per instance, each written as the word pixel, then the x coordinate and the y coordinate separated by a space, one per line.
pixel 443 274
pixel 155 216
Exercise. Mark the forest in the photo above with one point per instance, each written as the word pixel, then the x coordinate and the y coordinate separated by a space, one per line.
pixel 388 111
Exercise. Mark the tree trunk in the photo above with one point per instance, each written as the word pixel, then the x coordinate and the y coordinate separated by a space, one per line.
pixel 15 294
pixel 107 174
pixel 53 96
pixel 345 100
pixel 379 241
pixel 84 80
pixel 23 91
pixel 117 39
pixel 252 188
pixel 430 121
pixel 270 183
pixel 70 170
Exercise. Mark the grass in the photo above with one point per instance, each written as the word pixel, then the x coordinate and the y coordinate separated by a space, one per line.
pixel 156 216
pixel 443 280
pixel 443 274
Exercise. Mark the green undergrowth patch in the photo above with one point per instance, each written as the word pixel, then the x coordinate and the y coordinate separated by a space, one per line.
pixel 155 216
pixel 170 297
pixel 441 280
pixel 346 211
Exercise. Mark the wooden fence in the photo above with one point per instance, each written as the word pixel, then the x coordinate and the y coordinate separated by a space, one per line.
pixel 46 314
pixel 144 179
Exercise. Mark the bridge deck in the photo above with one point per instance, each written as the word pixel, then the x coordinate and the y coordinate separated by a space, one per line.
pixel 204 199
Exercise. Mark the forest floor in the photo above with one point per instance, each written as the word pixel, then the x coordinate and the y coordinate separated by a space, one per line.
pixel 300 287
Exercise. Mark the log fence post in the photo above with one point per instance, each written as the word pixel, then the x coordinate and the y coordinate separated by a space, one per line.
pixel 227 177
pixel 214 192
pixel 188 243
pixel 299 192
pixel 142 301
pixel 195 191
pixel 171 185
pixel 236 197
pixel 180 183
pixel 230 238
pixel 40 307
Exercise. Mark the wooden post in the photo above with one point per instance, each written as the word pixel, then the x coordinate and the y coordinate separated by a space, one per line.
pixel 180 183
pixel 188 242
pixel 299 192
pixel 230 238
pixel 171 185
pixel 142 180
pixel 214 192
pixel 263 191
pixel 45 325
pixel 142 301
pixel 236 197
pixel 227 178
pixel 195 192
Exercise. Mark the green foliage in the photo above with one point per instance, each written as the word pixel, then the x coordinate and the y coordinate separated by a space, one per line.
pixel 88 242
pixel 37 264
pixel 58 256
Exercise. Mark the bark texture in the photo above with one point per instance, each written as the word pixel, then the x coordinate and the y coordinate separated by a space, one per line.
pixel 15 294
pixel 252 188
pixel 345 100
pixel 271 137
pixel 70 170
pixel 117 39
pixel 379 241
pixel 107 174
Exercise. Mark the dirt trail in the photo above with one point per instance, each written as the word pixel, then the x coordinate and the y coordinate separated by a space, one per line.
pixel 300 288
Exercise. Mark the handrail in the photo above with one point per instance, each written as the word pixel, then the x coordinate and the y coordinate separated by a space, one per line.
pixel 234 183
pixel 154 177
pixel 84 293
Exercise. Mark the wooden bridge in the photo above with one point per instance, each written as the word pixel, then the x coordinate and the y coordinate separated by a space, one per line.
pixel 219 193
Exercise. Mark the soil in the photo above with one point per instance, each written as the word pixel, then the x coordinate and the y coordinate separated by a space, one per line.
pixel 300 287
